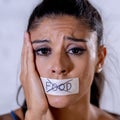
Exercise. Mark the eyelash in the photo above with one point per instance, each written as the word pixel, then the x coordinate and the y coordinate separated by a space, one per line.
pixel 47 51
pixel 43 51
pixel 76 51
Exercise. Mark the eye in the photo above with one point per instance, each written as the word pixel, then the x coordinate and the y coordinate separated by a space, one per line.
pixel 43 51
pixel 76 51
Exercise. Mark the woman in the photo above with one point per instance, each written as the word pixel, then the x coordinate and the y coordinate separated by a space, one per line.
pixel 62 59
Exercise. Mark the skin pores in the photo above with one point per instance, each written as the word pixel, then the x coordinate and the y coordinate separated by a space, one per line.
pixel 65 48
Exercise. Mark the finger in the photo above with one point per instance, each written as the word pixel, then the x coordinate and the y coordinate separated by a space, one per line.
pixel 31 66
pixel 23 59
pixel 30 55
pixel 24 71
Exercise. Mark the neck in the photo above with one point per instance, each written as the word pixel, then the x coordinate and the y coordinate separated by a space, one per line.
pixel 81 110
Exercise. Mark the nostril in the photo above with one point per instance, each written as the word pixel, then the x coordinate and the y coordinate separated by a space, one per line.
pixel 53 71
pixel 63 71
pixel 58 71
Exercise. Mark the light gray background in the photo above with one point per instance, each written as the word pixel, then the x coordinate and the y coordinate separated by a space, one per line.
pixel 13 20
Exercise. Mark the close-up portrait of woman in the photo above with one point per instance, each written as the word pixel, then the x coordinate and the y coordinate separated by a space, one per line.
pixel 62 60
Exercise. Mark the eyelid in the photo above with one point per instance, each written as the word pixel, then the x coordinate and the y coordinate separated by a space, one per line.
pixel 39 46
pixel 42 50
pixel 73 45
pixel 81 48
pixel 76 50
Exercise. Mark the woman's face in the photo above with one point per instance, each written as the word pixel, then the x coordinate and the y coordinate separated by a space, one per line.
pixel 65 48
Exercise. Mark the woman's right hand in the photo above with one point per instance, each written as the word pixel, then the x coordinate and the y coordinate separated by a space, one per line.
pixel 37 104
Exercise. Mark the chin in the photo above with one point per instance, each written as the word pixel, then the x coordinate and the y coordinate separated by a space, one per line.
pixel 61 101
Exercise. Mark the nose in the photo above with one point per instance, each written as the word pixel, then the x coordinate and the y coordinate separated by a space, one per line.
pixel 59 71
pixel 61 65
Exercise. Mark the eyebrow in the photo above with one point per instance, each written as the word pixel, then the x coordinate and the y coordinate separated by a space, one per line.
pixel 74 39
pixel 65 38
pixel 40 41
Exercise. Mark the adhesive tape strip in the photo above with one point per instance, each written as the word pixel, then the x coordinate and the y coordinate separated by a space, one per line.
pixel 61 87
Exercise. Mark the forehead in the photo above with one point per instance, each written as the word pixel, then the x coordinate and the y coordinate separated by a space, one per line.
pixel 63 20
pixel 63 24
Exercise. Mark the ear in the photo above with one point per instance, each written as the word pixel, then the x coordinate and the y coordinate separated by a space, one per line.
pixel 101 57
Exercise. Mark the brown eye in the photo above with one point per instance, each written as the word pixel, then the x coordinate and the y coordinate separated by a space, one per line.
pixel 43 51
pixel 76 51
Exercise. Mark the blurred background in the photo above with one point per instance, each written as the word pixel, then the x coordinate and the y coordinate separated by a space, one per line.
pixel 14 15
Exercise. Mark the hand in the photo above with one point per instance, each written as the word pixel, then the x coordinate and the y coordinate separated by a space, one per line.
pixel 34 93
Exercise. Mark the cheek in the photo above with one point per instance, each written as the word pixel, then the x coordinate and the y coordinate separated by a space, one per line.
pixel 86 70
pixel 41 66
pixel 87 77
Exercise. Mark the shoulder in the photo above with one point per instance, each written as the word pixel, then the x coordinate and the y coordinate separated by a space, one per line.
pixel 6 117
pixel 103 115
pixel 115 115
pixel 9 116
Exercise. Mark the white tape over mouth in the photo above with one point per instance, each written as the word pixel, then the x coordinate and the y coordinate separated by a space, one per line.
pixel 61 87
